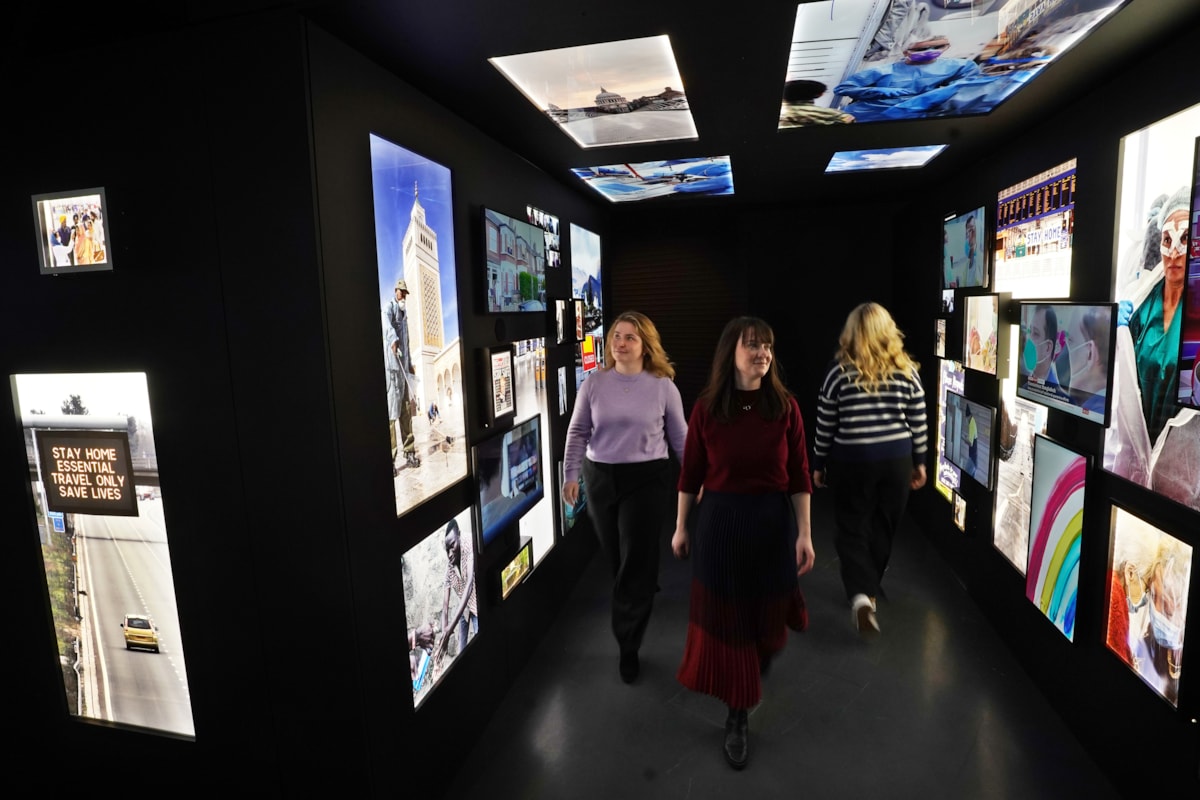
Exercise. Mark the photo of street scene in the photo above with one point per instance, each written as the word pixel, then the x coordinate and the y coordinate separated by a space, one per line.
pixel 609 93
pixel 420 343
pixel 89 439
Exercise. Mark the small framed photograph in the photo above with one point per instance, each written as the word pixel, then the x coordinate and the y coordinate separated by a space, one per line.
pixel 72 232
pixel 501 406
pixel 562 320
pixel 517 570
pixel 960 512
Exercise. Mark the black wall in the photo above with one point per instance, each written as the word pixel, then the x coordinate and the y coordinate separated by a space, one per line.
pixel 236 164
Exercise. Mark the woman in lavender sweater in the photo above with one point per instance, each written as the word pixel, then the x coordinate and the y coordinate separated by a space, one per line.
pixel 625 417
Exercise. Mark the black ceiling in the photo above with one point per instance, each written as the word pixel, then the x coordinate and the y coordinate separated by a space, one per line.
pixel 732 56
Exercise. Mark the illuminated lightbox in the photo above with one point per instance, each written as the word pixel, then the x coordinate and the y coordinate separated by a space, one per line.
pixel 970 431
pixel 961 58
pixel 1066 360
pixel 516 264
pixel 72 232
pixel 609 93
pixel 964 254
pixel 1056 532
pixel 1035 234
pixel 619 183
pixel 509 471
pixel 98 515
pixel 1149 573
pixel 883 158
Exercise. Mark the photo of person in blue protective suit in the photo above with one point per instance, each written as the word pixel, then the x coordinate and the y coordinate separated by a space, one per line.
pixel 916 87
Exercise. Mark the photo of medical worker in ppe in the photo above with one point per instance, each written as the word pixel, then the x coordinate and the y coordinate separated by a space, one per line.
pixel 919 84
pixel 1064 358
pixel 1153 440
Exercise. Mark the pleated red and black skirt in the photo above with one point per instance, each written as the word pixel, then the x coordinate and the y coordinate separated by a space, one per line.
pixel 744 594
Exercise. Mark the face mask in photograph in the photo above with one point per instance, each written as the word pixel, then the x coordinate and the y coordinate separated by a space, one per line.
pixel 1174 239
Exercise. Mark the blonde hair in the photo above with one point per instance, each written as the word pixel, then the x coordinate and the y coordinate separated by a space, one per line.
pixel 654 358
pixel 873 345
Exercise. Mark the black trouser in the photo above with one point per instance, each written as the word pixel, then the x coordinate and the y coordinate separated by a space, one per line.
pixel 628 505
pixel 868 500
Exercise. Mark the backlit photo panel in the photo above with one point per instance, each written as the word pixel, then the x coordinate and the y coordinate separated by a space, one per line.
pixel 970 431
pixel 1189 342
pixel 1056 532
pixel 1035 234
pixel 1020 422
pixel 1065 353
pixel 98 504
pixel 72 232
pixel 947 476
pixel 964 251
pixel 441 602
pixel 1149 574
pixel 1152 440
pixel 981 343
pixel 420 342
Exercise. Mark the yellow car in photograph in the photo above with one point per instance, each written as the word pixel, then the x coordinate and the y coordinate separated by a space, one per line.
pixel 140 632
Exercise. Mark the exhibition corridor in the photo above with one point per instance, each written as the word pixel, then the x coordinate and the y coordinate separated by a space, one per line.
pixel 935 707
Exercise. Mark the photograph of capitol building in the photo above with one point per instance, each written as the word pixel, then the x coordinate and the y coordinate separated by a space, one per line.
pixel 611 93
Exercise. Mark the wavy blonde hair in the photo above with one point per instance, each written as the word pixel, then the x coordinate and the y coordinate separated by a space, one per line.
pixel 873 345
pixel 654 358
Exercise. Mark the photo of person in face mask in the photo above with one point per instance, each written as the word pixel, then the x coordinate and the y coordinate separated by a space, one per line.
pixel 1065 356
pixel 1150 574
pixel 1155 323
pixel 1042 346
pixel 1088 346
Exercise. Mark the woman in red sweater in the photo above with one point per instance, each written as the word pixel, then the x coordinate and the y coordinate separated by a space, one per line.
pixel 745 446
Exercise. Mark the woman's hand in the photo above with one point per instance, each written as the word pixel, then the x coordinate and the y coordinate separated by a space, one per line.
pixel 570 492
pixel 805 557
pixel 918 477
pixel 679 542
pixel 819 478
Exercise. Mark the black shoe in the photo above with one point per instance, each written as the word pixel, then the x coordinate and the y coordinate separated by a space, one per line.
pixel 737 735
pixel 629 665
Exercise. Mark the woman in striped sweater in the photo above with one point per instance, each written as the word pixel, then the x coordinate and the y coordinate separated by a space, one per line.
pixel 870 447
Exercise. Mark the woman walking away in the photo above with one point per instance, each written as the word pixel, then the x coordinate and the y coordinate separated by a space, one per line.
pixel 870 447
pixel 746 449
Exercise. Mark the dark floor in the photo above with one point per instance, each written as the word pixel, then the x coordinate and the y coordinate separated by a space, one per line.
pixel 936 707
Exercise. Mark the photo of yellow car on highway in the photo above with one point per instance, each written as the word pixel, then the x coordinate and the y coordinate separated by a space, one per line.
pixel 98 507
pixel 140 632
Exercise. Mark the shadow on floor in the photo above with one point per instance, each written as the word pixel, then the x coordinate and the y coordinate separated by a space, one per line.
pixel 935 707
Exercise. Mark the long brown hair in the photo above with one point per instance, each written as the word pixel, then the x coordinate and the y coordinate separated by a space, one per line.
pixel 719 394
pixel 654 358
